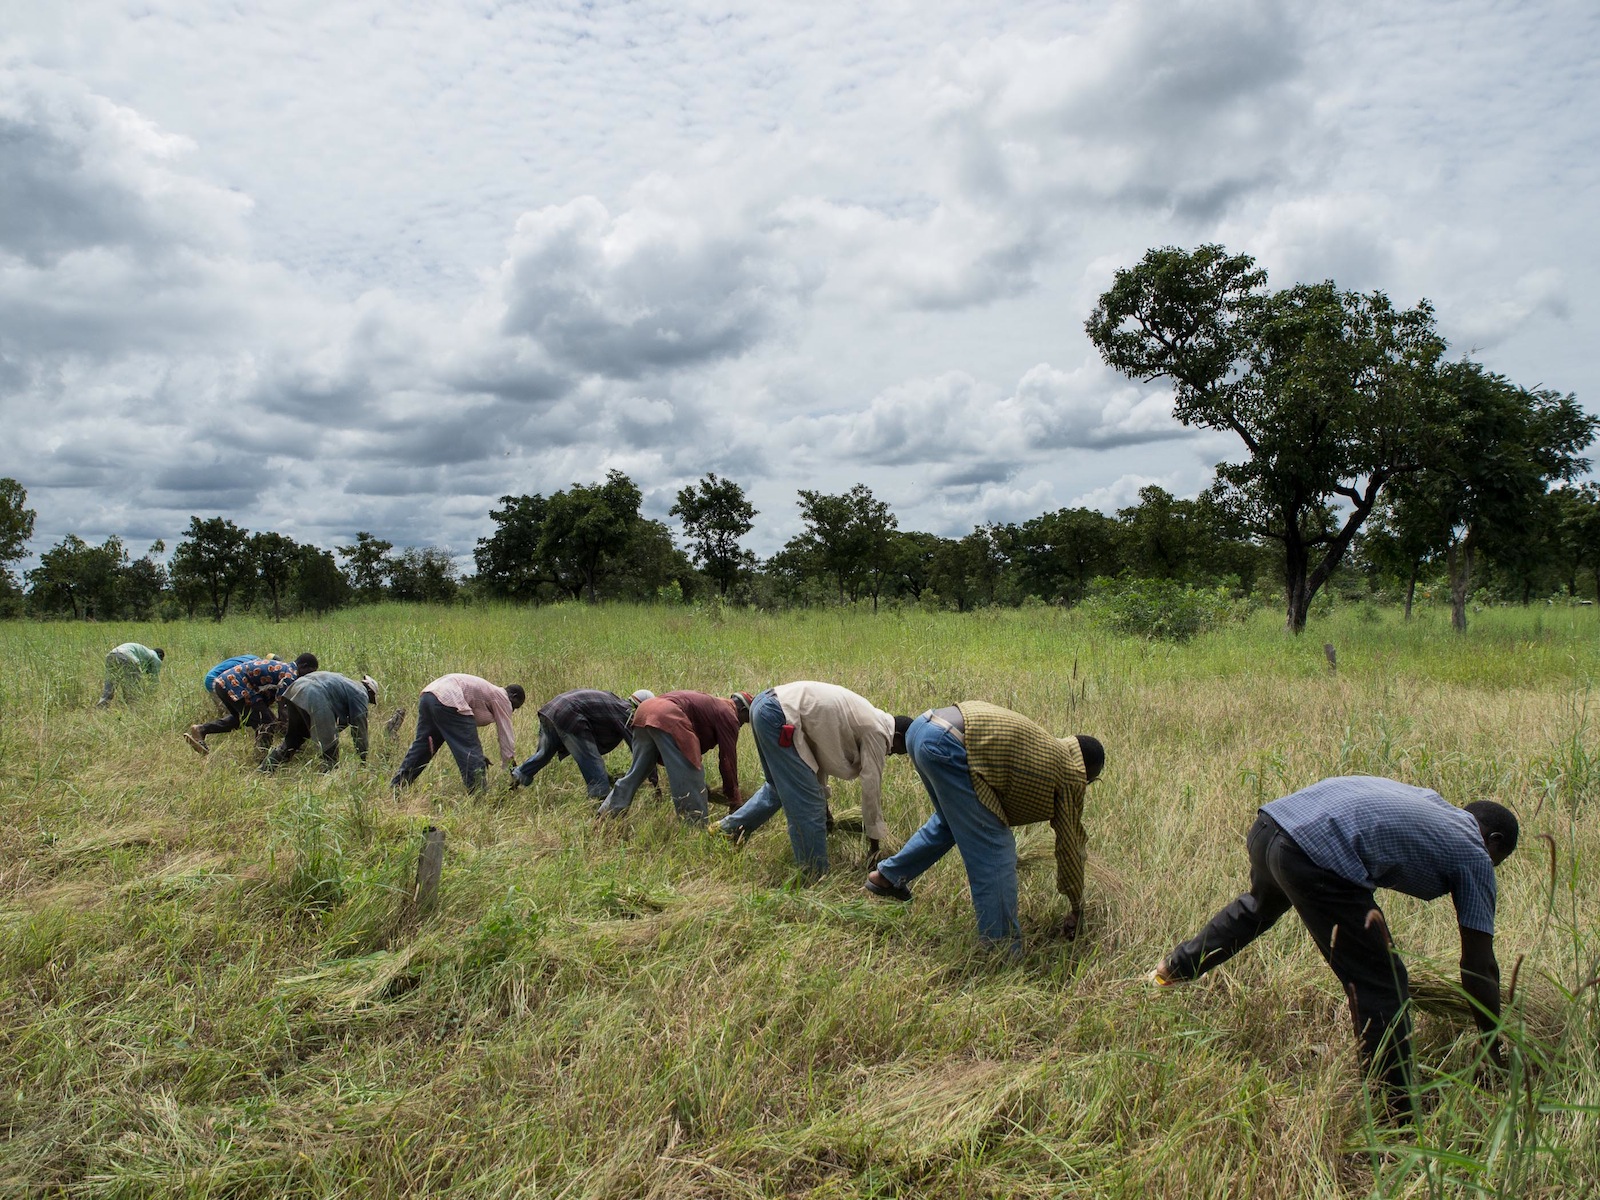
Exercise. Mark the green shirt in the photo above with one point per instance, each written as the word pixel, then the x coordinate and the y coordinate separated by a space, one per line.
pixel 146 659
pixel 1022 774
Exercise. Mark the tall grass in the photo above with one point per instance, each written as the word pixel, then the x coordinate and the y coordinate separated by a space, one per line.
pixel 213 982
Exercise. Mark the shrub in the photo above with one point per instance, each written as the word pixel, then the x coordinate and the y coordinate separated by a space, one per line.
pixel 1161 609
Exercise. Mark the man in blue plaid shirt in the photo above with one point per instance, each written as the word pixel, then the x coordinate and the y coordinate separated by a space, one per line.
pixel 1323 851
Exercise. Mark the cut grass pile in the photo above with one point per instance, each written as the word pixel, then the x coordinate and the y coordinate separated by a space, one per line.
pixel 215 983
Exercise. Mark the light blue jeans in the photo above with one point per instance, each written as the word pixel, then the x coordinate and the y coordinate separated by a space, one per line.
pixel 988 847
pixel 790 785
pixel 686 779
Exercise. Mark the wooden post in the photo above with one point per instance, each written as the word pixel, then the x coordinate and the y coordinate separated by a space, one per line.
pixel 430 865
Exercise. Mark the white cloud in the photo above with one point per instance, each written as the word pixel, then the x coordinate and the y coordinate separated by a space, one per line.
pixel 1124 492
pixel 327 268
pixel 956 419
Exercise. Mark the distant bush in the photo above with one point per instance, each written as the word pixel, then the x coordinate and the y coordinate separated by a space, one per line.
pixel 1161 609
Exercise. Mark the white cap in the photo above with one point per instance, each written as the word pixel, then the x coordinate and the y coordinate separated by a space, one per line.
pixel 371 684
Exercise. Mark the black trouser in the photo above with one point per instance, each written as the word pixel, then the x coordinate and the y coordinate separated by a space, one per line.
pixel 296 733
pixel 439 725
pixel 1348 927
pixel 239 712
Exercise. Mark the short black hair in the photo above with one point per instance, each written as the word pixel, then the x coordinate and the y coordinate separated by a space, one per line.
pixel 161 654
pixel 306 663
pixel 1496 819
pixel 1094 756
pixel 518 696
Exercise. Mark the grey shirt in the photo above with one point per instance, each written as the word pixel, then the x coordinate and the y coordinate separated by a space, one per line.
pixel 331 702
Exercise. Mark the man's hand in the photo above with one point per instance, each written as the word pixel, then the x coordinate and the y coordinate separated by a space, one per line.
pixel 1068 926
pixel 1497 1053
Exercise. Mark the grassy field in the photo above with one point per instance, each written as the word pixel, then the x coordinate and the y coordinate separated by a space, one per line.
pixel 212 982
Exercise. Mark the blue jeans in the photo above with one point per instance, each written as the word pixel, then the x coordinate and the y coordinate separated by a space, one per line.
pixel 583 751
pixel 791 786
pixel 685 778
pixel 988 847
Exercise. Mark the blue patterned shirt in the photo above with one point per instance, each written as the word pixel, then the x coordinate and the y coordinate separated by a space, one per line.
pixel 256 682
pixel 228 664
pixel 1382 833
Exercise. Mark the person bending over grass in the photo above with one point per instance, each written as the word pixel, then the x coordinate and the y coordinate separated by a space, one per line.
pixel 225 665
pixel 246 693
pixel 585 724
pixel 320 705
pixel 452 709
pixel 804 733
pixel 988 769
pixel 1323 851
pixel 130 664
pixel 677 728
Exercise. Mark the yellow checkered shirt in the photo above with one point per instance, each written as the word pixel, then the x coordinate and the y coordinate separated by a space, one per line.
pixel 1023 774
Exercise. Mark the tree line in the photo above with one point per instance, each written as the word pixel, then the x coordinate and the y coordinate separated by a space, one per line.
pixel 1366 454
pixel 590 542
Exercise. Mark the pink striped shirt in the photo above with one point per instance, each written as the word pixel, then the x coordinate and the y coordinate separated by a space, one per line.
pixel 482 701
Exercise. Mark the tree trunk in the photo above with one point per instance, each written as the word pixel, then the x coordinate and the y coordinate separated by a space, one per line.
pixel 1462 554
pixel 1411 588
pixel 1297 592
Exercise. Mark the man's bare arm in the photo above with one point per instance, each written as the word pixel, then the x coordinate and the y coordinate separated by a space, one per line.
pixel 1480 977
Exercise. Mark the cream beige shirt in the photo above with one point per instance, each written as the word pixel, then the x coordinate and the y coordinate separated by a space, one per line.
pixel 839 734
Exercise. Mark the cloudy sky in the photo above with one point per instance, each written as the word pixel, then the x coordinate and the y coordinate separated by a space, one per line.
pixel 329 265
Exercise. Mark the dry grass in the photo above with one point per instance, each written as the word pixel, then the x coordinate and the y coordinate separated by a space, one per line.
pixel 211 982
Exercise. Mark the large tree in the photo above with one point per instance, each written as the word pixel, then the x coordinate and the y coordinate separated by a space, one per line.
pixel 508 560
pixel 16 522
pixel 911 557
pixel 318 585
pixel 1580 533
pixel 715 515
pixel 143 583
pixel 847 538
pixel 1056 554
pixel 585 528
pixel 425 574
pixel 967 571
pixel 1334 394
pixel 78 578
pixel 368 564
pixel 274 557
pixel 649 563
pixel 212 562
pixel 1484 488
pixel 1400 540
pixel 16 527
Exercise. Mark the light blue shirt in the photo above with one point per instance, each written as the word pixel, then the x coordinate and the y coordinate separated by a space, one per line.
pixel 1382 833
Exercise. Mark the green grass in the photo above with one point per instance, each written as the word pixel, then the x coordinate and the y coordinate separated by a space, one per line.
pixel 213 983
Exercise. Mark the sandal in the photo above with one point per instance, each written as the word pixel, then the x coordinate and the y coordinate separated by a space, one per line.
pixel 878 884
